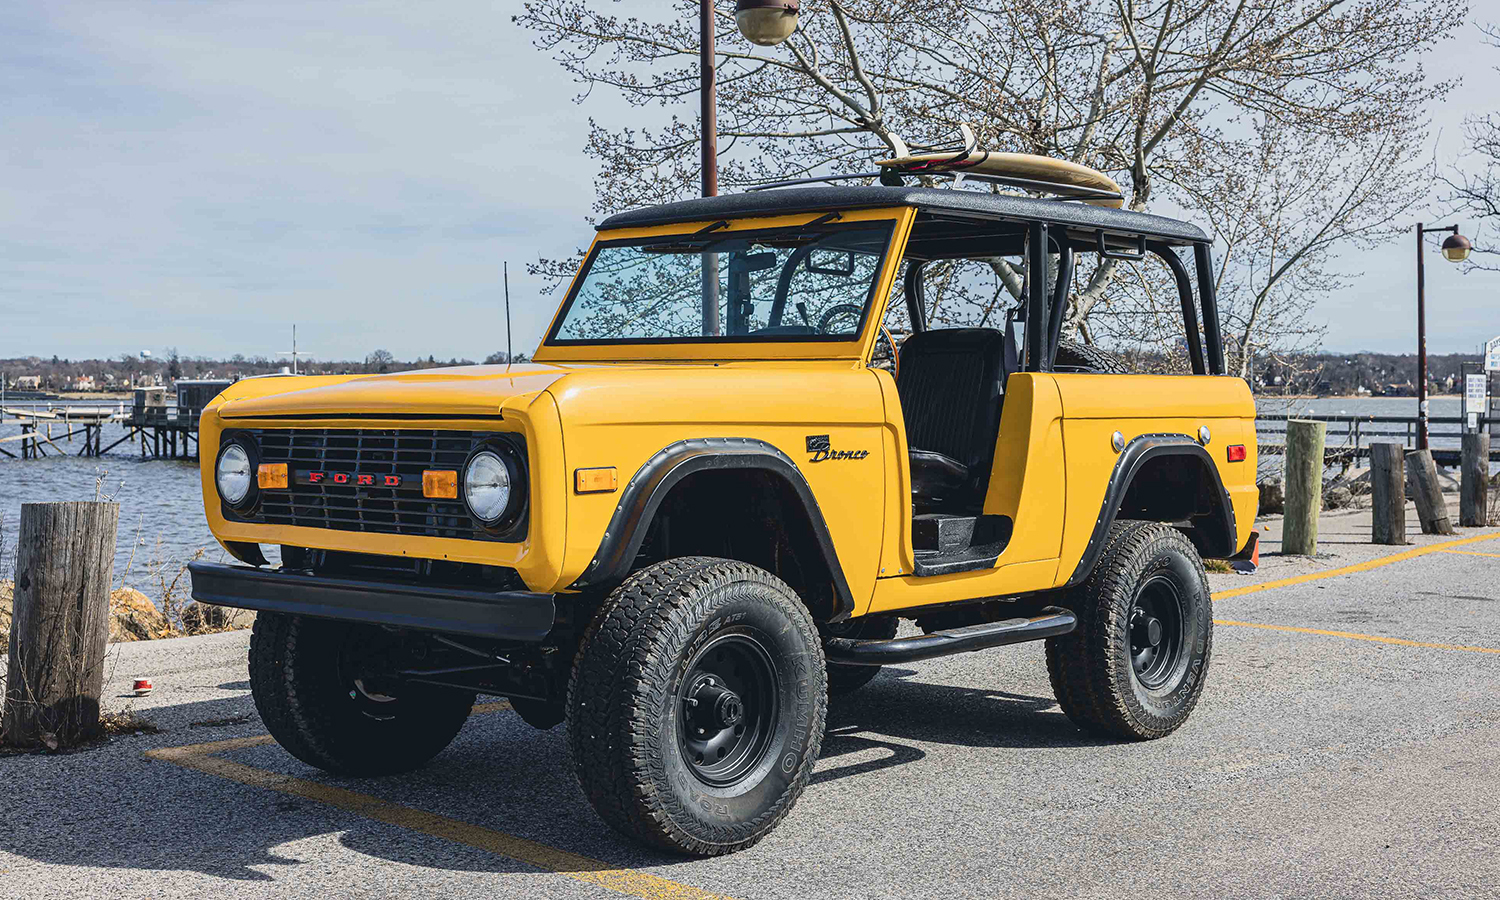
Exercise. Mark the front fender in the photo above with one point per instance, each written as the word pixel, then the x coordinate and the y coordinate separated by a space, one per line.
pixel 652 483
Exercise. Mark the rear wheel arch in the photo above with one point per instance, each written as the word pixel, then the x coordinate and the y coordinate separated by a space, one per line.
pixel 1167 478
pixel 695 497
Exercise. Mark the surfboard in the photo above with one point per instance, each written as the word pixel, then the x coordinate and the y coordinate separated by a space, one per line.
pixel 1024 170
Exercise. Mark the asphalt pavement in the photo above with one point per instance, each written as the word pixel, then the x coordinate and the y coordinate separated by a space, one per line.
pixel 1347 745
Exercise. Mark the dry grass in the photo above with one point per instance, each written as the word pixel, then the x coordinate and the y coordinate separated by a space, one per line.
pixel 1218 566
pixel 117 723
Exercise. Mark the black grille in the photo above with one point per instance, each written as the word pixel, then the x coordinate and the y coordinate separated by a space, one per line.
pixel 375 507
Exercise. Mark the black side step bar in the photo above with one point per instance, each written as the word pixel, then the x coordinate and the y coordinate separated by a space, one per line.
pixel 1051 622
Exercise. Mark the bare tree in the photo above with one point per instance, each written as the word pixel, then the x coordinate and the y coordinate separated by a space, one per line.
pixel 379 361
pixel 1277 224
pixel 1176 98
pixel 1474 183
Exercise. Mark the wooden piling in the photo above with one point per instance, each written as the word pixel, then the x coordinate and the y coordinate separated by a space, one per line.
pixel 1422 484
pixel 1304 486
pixel 1388 492
pixel 1474 481
pixel 60 623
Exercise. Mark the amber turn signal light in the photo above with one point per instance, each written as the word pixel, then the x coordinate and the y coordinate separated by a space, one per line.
pixel 440 484
pixel 596 481
pixel 271 476
pixel 1235 452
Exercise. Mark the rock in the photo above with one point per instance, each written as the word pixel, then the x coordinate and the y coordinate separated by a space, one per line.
pixel 133 617
pixel 201 618
pixel 1337 496
pixel 1272 496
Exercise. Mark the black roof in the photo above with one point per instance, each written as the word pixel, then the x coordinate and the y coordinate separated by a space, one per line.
pixel 780 201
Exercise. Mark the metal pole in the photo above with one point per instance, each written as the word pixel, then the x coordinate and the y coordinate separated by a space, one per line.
pixel 708 116
pixel 709 155
pixel 1421 346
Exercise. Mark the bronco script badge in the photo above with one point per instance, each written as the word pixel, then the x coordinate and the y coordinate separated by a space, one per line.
pixel 818 446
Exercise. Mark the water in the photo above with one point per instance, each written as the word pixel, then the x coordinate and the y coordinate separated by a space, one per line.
pixel 1442 436
pixel 161 505
pixel 1358 406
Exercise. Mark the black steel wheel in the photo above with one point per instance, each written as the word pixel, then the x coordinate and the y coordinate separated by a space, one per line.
pixel 728 706
pixel 1135 666
pixel 325 692
pixel 696 706
pixel 1155 625
pixel 843 678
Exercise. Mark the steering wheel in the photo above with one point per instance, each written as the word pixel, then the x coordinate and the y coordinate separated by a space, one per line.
pixel 826 320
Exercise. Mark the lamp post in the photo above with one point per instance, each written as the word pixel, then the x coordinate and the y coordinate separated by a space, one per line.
pixel 763 22
pixel 1456 249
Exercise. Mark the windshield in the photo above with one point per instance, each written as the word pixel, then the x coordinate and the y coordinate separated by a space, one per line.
pixel 809 282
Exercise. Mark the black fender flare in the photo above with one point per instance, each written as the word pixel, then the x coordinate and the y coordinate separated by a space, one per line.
pixel 650 485
pixel 1136 454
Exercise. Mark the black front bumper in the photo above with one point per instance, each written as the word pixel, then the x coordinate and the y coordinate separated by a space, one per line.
pixel 503 615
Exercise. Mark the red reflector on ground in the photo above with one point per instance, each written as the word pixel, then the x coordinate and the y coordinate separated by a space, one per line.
pixel 1236 452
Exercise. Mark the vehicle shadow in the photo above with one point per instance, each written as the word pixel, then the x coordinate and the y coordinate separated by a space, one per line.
pixel 112 807
pixel 895 705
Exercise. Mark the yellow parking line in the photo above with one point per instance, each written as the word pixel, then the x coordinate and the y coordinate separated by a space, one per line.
pixel 201 758
pixel 1357 567
pixel 1360 637
pixel 1474 553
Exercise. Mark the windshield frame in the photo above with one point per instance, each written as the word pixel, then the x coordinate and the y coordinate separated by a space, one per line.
pixel 816 346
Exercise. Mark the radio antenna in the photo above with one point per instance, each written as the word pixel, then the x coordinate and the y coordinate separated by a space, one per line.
pixel 509 356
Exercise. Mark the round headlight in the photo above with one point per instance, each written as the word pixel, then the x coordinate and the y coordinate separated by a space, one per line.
pixel 487 486
pixel 233 475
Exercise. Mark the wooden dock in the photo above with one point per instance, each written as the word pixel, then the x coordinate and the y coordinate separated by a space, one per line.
pixel 37 436
pixel 161 429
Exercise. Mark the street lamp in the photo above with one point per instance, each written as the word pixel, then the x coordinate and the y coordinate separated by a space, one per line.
pixel 766 22
pixel 1456 249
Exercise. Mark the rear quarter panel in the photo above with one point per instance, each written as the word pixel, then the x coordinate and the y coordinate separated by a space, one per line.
pixel 1094 407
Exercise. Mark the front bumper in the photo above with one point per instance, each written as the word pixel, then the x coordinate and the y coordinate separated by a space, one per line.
pixel 502 615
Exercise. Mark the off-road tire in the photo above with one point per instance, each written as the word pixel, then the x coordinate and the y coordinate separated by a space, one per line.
pixel 1075 357
pixel 539 714
pixel 843 678
pixel 305 702
pixel 626 722
pixel 1093 676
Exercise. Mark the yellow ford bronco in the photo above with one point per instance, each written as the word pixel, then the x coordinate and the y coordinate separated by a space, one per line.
pixel 719 489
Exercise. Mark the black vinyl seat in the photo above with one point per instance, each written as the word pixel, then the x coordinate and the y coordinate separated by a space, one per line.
pixel 951 384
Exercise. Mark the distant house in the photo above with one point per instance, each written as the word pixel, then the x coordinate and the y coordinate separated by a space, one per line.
pixel 84 383
pixel 27 383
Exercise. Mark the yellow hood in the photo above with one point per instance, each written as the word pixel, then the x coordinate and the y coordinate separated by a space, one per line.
pixel 461 391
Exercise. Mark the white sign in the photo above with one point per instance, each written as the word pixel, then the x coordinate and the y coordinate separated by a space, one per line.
pixel 1492 355
pixel 1475 393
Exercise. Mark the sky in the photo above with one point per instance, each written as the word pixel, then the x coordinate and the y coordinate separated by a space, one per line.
pixel 202 175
